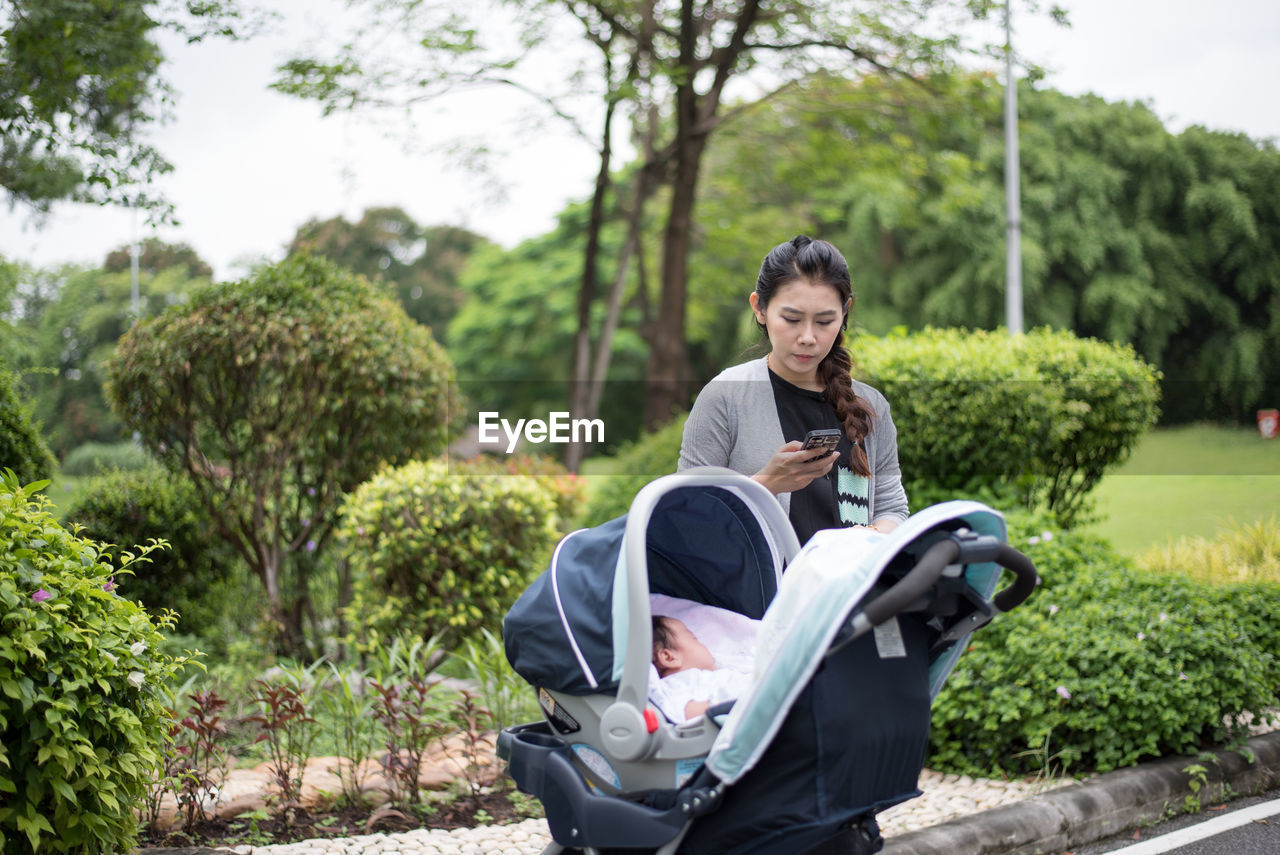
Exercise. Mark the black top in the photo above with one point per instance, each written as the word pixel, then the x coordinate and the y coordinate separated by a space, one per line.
pixel 799 411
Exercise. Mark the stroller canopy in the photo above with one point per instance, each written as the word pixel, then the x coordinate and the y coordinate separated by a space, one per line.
pixel 702 542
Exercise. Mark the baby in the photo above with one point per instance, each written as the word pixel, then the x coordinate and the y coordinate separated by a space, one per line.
pixel 689 671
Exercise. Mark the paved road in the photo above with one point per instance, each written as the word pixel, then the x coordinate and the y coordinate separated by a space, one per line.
pixel 1249 826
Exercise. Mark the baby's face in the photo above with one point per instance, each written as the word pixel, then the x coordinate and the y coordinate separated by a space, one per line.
pixel 693 653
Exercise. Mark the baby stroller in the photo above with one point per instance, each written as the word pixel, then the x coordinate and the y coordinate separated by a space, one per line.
pixel 835 727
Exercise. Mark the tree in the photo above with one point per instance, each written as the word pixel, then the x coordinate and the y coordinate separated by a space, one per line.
pixel 154 256
pixel 79 86
pixel 277 395
pixel 519 319
pixel 74 319
pixel 1131 233
pixel 680 58
pixel 423 264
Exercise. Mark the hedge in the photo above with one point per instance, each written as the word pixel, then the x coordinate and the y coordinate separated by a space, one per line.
pixel 436 553
pixel 1035 419
pixel 1105 666
pixel 99 458
pixel 199 576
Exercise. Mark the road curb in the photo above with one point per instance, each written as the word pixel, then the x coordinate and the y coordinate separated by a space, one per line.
pixel 1075 815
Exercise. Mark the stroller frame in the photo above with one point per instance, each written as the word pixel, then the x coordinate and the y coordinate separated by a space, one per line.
pixel 628 801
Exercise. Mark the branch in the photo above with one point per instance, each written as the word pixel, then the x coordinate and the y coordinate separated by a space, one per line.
pixel 726 58
pixel 710 124
pixel 844 47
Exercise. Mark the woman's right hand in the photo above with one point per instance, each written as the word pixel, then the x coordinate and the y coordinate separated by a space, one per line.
pixel 791 468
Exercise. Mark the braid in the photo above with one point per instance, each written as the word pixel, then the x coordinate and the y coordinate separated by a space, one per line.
pixel 835 373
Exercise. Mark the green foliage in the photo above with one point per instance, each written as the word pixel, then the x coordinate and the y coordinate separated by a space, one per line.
pixel 74 317
pixel 501 690
pixel 99 458
pixel 79 86
pixel 22 448
pixel 199 577
pixel 1130 233
pixel 423 264
pixel 1105 666
pixel 277 395
pixel 438 554
pixel 513 338
pixel 82 710
pixel 567 488
pixel 1040 416
pixel 1242 552
pixel 636 464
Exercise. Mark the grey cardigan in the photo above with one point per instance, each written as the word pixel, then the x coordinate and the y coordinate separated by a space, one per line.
pixel 734 423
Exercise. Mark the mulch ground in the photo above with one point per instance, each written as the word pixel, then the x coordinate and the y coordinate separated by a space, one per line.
pixel 487 809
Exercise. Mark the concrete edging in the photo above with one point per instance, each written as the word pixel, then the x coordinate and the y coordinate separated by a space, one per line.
pixel 1099 807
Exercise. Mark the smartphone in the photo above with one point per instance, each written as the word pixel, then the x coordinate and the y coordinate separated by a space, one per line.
pixel 825 439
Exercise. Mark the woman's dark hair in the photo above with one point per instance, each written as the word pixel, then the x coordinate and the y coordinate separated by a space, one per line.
pixel 803 258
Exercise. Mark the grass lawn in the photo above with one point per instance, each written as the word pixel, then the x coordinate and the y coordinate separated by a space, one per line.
pixel 1188 481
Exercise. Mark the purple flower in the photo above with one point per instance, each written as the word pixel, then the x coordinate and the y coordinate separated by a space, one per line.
pixel 40 596
pixel 311 491
pixel 311 546
pixel 1142 636
pixel 110 584
pixel 1063 693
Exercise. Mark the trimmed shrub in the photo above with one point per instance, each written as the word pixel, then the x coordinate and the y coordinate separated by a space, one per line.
pixel 1037 418
pixel 22 449
pixel 99 458
pixel 635 465
pixel 567 488
pixel 1104 667
pixel 82 700
pixel 277 395
pixel 433 553
pixel 198 576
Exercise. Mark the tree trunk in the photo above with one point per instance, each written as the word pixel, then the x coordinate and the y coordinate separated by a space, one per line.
pixel 668 376
pixel 580 378
pixel 604 345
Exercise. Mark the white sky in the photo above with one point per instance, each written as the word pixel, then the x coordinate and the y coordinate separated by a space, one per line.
pixel 251 165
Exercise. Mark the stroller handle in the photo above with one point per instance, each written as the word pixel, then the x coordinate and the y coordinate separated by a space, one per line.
pixel 935 561
pixel 634 682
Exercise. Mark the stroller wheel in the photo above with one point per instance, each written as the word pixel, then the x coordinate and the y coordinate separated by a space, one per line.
pixel 861 838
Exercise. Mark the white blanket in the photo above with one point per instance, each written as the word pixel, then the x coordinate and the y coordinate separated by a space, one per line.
pixel 673 693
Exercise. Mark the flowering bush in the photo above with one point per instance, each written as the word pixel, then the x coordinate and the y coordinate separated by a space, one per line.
pixel 82 710
pixel 1105 666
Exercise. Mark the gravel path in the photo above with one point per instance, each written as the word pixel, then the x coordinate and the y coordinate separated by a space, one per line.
pixel 945 797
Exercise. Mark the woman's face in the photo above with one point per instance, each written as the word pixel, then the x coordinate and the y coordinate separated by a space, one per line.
pixel 802 321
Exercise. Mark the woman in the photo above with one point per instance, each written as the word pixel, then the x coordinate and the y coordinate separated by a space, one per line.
pixel 752 417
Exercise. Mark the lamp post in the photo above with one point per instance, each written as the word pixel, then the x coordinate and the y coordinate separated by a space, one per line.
pixel 134 252
pixel 1013 204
